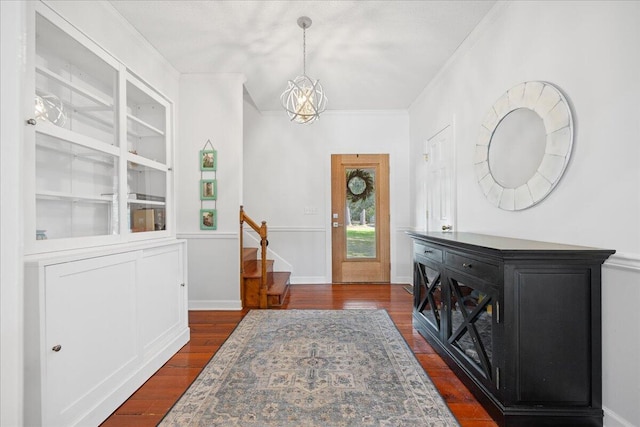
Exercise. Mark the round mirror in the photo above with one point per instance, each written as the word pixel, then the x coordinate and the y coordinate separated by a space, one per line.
pixel 524 145
pixel 517 148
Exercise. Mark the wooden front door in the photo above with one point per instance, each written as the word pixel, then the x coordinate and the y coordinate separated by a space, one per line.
pixel 360 218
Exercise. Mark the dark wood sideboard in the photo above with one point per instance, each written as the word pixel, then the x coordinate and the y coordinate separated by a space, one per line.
pixel 518 321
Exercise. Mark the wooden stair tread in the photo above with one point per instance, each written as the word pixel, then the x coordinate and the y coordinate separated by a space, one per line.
pixel 280 283
pixel 249 254
pixel 253 268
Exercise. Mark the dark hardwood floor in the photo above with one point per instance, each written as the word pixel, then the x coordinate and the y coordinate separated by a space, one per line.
pixel 209 329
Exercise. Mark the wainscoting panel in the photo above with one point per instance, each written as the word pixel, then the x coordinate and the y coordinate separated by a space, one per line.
pixel 213 270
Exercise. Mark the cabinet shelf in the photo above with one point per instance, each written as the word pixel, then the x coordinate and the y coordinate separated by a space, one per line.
pixel 76 138
pixel 93 157
pixel 146 202
pixel 74 87
pixel 87 112
pixel 138 163
pixel 145 125
pixel 58 195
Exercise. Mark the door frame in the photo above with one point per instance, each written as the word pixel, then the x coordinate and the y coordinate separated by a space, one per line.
pixel 448 132
pixel 367 270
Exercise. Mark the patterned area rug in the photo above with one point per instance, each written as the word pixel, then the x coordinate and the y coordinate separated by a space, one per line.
pixel 312 368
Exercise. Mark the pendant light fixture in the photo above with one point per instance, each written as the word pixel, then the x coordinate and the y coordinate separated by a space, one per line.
pixel 304 98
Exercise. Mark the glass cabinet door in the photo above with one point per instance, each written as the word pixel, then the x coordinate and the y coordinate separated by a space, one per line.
pixel 471 326
pixel 98 140
pixel 428 297
pixel 76 152
pixel 147 126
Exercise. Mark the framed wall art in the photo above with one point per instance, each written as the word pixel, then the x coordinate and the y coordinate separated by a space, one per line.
pixel 208 160
pixel 208 219
pixel 208 189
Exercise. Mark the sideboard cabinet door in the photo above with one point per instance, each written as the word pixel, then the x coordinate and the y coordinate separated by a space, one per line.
pixel 553 356
pixel 428 296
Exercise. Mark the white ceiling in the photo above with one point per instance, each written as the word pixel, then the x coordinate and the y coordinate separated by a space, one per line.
pixel 368 55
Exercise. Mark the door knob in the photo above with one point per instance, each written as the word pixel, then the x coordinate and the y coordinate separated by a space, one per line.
pixel 446 227
pixel 336 225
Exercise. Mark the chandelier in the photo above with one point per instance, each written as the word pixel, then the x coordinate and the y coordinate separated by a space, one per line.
pixel 304 98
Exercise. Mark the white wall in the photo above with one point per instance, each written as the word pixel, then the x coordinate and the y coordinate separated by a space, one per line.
pixel 591 51
pixel 288 168
pixel 211 109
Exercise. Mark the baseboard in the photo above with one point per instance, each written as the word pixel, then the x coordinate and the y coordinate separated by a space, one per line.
pixel 309 280
pixel 403 279
pixel 215 305
pixel 611 419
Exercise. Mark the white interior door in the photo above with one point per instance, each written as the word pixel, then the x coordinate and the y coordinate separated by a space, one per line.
pixel 440 185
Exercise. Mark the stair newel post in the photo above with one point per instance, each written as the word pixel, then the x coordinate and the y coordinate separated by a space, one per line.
pixel 263 257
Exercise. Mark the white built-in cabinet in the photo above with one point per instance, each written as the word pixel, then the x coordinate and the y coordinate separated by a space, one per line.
pixel 97 326
pixel 98 144
pixel 105 290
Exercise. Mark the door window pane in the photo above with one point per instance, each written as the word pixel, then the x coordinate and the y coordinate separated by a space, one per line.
pixel 360 217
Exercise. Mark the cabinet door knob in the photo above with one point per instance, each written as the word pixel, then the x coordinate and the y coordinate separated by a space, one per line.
pixel 56 348
pixel 446 227
pixel 32 122
pixel 182 284
pixel 427 251
pixel 465 265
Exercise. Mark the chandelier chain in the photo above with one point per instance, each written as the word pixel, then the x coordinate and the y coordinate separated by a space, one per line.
pixel 304 51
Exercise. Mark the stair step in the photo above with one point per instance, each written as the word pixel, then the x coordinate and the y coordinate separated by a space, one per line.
pixel 279 289
pixel 280 283
pixel 253 268
pixel 249 254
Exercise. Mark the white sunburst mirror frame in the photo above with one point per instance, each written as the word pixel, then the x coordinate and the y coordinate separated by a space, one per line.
pixel 551 106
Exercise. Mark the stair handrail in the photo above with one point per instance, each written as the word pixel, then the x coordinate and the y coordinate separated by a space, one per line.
pixel 262 231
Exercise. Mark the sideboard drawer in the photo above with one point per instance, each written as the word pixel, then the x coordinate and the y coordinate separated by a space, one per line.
pixel 429 252
pixel 472 266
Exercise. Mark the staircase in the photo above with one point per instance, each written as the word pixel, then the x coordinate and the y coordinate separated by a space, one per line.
pixel 261 287
pixel 277 282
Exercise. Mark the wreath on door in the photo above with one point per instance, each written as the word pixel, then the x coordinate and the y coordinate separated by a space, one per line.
pixel 359 185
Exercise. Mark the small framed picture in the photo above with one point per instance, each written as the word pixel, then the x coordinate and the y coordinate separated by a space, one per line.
pixel 208 219
pixel 208 189
pixel 208 160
